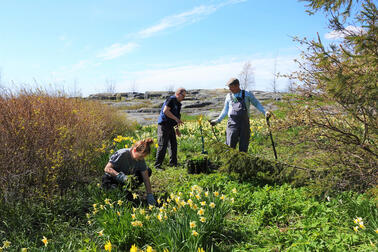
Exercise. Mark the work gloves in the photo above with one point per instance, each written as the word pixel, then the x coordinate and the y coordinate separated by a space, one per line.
pixel 213 122
pixel 268 114
pixel 121 177
pixel 150 199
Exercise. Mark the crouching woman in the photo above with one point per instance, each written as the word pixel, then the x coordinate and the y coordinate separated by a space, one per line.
pixel 127 162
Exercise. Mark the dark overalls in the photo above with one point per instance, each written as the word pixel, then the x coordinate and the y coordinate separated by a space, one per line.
pixel 238 127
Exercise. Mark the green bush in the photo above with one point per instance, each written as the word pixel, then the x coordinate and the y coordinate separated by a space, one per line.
pixel 252 167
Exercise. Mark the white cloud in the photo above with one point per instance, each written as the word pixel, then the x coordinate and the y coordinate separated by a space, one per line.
pixel 117 50
pixel 210 75
pixel 188 17
pixel 349 30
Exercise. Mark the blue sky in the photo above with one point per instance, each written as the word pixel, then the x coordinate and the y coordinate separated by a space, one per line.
pixel 84 45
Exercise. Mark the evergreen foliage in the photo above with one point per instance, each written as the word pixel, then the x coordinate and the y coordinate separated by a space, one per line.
pixel 344 77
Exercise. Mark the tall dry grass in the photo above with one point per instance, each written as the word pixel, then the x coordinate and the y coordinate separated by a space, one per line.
pixel 49 144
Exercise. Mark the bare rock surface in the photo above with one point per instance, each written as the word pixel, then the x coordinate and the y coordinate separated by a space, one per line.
pixel 144 108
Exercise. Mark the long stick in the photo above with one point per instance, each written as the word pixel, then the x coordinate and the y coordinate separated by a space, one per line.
pixel 271 137
pixel 212 129
pixel 203 142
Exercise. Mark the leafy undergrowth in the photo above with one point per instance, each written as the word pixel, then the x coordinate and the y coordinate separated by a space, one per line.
pixel 217 211
pixel 213 212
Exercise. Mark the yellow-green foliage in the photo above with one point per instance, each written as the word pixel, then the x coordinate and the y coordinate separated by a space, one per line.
pixel 50 143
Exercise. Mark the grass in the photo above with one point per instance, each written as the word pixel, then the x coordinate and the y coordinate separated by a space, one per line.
pixel 250 217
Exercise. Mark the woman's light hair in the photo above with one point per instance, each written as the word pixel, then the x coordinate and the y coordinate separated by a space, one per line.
pixel 143 146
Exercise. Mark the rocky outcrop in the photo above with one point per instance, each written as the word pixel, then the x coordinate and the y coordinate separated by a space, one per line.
pixel 144 108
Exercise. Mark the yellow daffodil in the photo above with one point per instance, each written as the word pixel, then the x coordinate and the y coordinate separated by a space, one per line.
pixel 107 201
pixel 134 248
pixel 200 119
pixel 203 203
pixel 200 250
pixel 361 224
pixel 108 246
pixel 192 224
pixel 149 249
pixel 45 241
pixel 158 200
pixel 90 222
pixel 24 250
pixel 198 196
pixel 201 211
pixel 355 228
pixel 102 207
pixel 159 217
pixel 135 196
pixel 174 209
pixel 202 219
pixel 137 223
pixel 191 194
pixel 216 194
pixel 6 244
pixel 142 211
pixel 222 197
pixel 165 250
pixel 234 190
pixel 94 206
pixel 207 193
pixel 101 233
pixel 150 207
pixel 168 200
pixel 357 220
pixel 194 233
pixel 133 216
pixel 195 207
pixel 118 213
pixel 134 209
pixel 232 200
pixel 165 217
pixel 376 231
pixel 212 204
pixel 120 202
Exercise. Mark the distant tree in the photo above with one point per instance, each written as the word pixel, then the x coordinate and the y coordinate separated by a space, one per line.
pixel 291 86
pixel 247 77
pixel 344 77
pixel 110 86
pixel 170 88
pixel 76 92
pixel 133 86
pixel 274 81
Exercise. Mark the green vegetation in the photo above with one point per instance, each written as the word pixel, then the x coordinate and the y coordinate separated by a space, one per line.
pixel 255 206
pixel 320 195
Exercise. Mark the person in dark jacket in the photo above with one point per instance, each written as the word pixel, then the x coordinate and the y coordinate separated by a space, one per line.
pixel 168 127
pixel 130 161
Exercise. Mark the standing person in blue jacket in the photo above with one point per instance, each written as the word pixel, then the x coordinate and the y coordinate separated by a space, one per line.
pixel 237 107
pixel 168 122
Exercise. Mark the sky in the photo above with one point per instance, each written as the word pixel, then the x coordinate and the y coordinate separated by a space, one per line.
pixel 92 46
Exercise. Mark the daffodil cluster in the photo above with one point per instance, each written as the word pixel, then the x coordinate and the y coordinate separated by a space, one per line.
pixel 360 224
